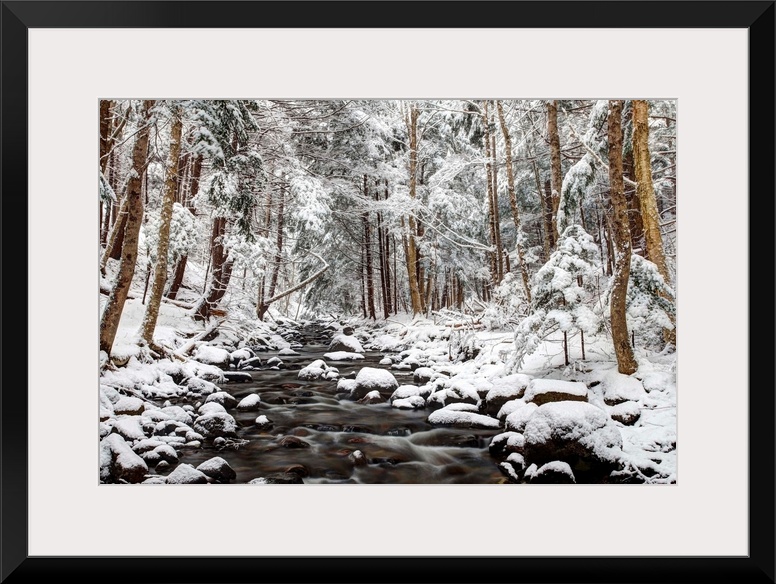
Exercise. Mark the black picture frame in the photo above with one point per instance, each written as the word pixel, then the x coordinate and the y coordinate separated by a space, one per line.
pixel 17 566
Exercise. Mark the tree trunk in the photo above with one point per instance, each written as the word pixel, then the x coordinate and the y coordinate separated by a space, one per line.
pixel 220 273
pixel 106 128
pixel 494 255
pixel 513 201
pixel 411 248
pixel 545 225
pixel 370 287
pixel 646 194
pixel 632 197
pixel 645 189
pixel 496 212
pixel 556 176
pixel 626 362
pixel 263 305
pixel 383 248
pixel 112 313
pixel 170 191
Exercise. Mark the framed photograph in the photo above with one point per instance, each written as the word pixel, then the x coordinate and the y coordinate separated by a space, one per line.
pixel 90 486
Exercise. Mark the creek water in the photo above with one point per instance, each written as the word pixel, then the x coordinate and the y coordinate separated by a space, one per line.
pixel 318 432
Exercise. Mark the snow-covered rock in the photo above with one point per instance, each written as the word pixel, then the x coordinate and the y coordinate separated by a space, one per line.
pixel 275 362
pixel 373 379
pixel 373 397
pixel 505 389
pixel 118 462
pixel 574 432
pixel 347 343
pixel 423 375
pixel 461 419
pixel 262 422
pixel 503 444
pixel 517 420
pixel 217 469
pixel 343 356
pixel 542 391
pixel 414 402
pixel 405 391
pixel 250 403
pixel 129 427
pixel 216 424
pixel 251 364
pixel 131 406
pixel 514 465
pixel 627 413
pixel 177 413
pixel 555 472
pixel 288 352
pixel 241 355
pixel 211 408
pixel 314 370
pixel 221 397
pixel 200 386
pixel 185 474
pixel 210 355
pixel 618 388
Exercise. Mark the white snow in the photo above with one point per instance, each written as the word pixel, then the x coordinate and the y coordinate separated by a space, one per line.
pixel 619 388
pixel 211 355
pixel 249 402
pixel 347 341
pixel 186 474
pixel 461 419
pixel 541 387
pixel 343 356
pixel 371 378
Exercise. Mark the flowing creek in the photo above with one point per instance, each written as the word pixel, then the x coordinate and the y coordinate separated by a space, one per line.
pixel 316 430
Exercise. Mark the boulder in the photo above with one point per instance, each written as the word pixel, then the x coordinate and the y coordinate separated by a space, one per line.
pixel 223 398
pixel 217 469
pixel 347 343
pixel 217 424
pixel 213 356
pixel 555 473
pixel 185 474
pixel 577 433
pixel 373 379
pixel 542 391
pixel 505 389
pixel 237 377
pixel 250 403
pixel 627 413
pixel 618 388
pixel 118 462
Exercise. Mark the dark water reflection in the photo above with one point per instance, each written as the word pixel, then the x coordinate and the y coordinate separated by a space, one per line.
pixel 317 434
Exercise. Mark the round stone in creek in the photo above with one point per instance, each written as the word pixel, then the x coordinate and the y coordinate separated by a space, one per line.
pixel 298 470
pixel 277 478
pixel 293 442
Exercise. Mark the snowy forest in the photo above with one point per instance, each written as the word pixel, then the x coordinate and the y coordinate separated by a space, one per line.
pixel 355 291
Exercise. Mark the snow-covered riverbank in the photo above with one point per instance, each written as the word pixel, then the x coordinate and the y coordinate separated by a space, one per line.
pixel 549 422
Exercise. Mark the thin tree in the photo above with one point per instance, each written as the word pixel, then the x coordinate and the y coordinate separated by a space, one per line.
pixel 646 195
pixel 556 175
pixel 411 246
pixel 513 200
pixel 626 362
pixel 134 197
pixel 160 268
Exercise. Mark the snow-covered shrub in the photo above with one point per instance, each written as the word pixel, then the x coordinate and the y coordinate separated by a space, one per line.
pixel 564 293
